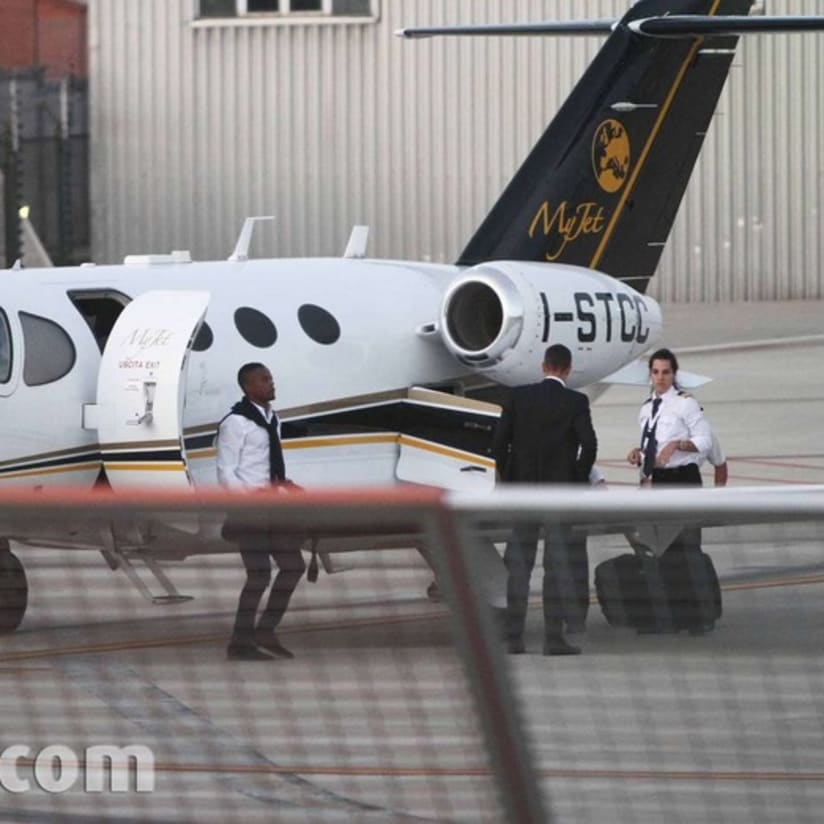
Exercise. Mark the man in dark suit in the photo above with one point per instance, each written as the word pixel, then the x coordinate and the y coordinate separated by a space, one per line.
pixel 545 435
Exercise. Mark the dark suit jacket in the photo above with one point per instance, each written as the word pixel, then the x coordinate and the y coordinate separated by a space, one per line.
pixel 545 435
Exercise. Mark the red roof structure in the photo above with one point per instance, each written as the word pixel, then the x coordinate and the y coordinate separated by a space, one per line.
pixel 49 33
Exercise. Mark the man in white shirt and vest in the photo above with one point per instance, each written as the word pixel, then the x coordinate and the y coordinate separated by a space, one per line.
pixel 250 458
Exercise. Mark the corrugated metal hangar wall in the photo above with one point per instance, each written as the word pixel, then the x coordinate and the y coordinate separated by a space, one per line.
pixel 197 124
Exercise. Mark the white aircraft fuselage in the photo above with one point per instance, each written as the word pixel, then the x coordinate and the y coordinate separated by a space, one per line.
pixel 131 368
pixel 329 329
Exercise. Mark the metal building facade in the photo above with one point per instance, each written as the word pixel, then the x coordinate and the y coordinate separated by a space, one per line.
pixel 326 125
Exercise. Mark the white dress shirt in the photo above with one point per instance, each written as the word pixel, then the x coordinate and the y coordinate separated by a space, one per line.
pixel 596 476
pixel 716 455
pixel 679 418
pixel 243 452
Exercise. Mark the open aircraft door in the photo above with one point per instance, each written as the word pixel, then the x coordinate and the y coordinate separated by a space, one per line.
pixel 141 390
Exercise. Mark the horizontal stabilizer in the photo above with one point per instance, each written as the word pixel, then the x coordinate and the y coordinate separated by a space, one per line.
pixel 564 27
pixel 637 374
pixel 670 26
pixel 696 25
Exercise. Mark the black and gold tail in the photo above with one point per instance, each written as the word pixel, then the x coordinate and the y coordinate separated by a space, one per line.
pixel 603 184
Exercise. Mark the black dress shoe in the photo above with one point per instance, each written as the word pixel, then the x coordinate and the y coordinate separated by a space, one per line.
pixel 271 643
pixel 556 645
pixel 516 646
pixel 246 652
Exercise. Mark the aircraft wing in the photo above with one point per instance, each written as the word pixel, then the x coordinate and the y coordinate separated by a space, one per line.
pixel 650 518
pixel 172 524
pixel 382 513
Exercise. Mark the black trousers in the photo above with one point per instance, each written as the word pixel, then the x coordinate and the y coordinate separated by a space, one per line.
pixel 688 586
pixel 689 540
pixel 566 577
pixel 579 569
pixel 258 548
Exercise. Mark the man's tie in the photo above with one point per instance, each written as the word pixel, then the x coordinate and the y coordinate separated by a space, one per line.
pixel 650 441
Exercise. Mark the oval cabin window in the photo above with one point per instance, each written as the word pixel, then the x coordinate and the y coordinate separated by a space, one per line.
pixel 319 324
pixel 255 327
pixel 203 339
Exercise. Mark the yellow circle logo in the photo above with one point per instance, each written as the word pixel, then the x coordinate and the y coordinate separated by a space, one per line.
pixel 610 155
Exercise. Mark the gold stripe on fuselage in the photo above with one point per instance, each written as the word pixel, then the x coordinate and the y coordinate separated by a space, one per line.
pixel 447 451
pixel 124 446
pixel 50 470
pixel 145 467
pixel 339 440
pixel 50 456
pixel 389 438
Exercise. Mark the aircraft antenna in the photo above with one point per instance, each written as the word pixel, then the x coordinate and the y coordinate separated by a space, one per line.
pixel 241 251
pixel 356 247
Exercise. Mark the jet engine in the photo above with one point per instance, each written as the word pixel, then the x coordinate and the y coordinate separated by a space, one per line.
pixel 498 318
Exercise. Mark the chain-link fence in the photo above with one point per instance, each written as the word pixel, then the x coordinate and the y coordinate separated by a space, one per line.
pixel 401 702
pixel 44 163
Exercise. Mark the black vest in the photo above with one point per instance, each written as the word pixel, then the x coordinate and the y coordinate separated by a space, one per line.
pixel 277 467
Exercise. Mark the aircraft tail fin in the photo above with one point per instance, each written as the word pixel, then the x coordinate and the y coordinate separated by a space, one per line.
pixel 602 186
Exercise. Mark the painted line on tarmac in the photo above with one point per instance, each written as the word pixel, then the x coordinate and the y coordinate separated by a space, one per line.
pixel 764 343
pixel 772 480
pixel 126 646
pixel 366 771
pixel 685 775
pixel 803 580
pixel 810 455
pixel 730 586
pixel 779 460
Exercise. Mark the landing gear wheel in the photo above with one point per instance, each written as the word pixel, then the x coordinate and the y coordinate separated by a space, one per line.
pixel 14 591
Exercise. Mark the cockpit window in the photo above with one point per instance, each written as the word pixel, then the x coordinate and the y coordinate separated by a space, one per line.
pixel 49 353
pixel 5 348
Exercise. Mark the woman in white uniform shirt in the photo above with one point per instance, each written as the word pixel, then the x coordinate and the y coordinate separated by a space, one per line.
pixel 675 436
pixel 675 439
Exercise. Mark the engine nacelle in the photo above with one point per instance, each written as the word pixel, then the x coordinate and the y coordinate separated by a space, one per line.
pixel 498 319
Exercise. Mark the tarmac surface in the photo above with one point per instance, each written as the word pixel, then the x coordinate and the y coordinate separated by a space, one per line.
pixel 374 721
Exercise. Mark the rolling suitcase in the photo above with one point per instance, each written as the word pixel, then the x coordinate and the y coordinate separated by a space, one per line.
pixel 676 591
pixel 693 589
pixel 623 592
